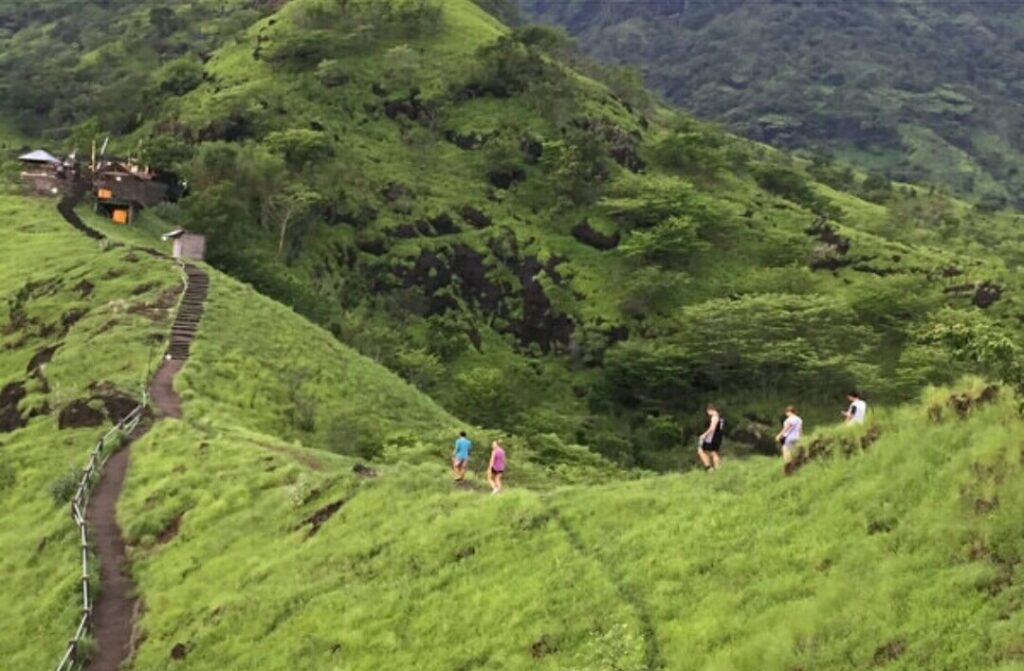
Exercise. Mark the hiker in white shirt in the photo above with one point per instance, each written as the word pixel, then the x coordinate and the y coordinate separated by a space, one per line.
pixel 858 409
pixel 791 431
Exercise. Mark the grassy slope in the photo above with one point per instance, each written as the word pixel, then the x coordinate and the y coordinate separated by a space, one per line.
pixel 43 260
pixel 742 569
pixel 236 388
pixel 913 547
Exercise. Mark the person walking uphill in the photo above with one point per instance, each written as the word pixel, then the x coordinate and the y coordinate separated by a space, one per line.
pixel 710 442
pixel 460 456
pixel 792 429
pixel 496 468
pixel 858 409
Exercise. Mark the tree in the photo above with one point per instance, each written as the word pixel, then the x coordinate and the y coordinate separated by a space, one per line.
pixel 286 208
pixel 975 339
pixel 420 367
pixel 670 244
pixel 772 341
pixel 301 147
pixel 180 75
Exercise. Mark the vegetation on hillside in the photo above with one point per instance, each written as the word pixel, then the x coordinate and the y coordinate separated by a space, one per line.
pixel 535 247
pixel 542 251
pixel 80 328
pixel 84 325
pixel 918 91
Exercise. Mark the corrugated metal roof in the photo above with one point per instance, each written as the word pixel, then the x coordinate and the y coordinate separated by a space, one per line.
pixel 39 156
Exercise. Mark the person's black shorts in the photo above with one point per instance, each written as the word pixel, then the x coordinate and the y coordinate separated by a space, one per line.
pixel 494 472
pixel 710 447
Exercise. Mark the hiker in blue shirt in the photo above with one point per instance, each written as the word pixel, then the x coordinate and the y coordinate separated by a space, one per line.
pixel 460 456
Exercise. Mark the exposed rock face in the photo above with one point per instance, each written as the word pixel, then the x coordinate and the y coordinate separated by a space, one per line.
pixel 474 217
pixel 458 273
pixel 987 294
pixel 10 417
pixel 588 235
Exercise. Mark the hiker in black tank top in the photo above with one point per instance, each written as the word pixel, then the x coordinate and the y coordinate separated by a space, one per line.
pixel 710 441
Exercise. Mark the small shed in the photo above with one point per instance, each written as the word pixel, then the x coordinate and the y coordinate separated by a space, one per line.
pixel 187 245
pixel 41 172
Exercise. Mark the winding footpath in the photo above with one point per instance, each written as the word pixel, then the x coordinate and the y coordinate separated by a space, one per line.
pixel 114 611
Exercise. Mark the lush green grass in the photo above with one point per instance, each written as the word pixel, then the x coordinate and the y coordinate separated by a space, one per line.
pixel 117 339
pixel 240 382
pixel 907 555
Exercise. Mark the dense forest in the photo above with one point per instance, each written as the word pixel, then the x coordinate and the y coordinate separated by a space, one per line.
pixel 925 92
pixel 526 236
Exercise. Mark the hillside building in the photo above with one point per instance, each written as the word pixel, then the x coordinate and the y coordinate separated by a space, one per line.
pixel 187 245
pixel 42 172
pixel 123 187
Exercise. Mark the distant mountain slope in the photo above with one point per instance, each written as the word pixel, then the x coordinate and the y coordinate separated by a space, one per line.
pixel 524 236
pixel 919 91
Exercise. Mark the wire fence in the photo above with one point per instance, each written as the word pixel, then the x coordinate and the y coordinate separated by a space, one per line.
pixel 79 503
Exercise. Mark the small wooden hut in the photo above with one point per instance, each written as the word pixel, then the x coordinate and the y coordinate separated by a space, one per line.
pixel 187 245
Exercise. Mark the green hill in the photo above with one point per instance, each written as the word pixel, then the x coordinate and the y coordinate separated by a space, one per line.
pixel 897 546
pixel 534 244
pixel 917 91
pixel 265 389
pixel 421 220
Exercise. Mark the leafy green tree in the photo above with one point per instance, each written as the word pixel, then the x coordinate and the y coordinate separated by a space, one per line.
pixel 770 341
pixel 691 151
pixel 671 244
pixel 487 396
pixel 976 340
pixel 301 147
pixel 288 211
pixel 179 76
pixel 646 373
pixel 420 367
pixel 787 183
pixel 653 292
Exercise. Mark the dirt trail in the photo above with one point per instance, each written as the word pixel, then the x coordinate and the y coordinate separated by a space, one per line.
pixel 114 611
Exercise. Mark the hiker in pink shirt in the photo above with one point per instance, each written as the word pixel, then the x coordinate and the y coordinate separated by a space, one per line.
pixel 496 468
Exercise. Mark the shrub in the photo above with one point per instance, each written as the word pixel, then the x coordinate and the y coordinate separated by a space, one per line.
pixel 63 488
pixel 670 243
pixel 356 434
pixel 786 183
pixel 301 146
pixel 332 73
pixel 180 75
pixel 420 367
pixel 691 151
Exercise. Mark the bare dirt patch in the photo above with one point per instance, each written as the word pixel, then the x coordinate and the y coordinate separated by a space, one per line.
pixel 170 531
pixel 71 317
pixel 364 471
pixel 317 519
pixel 84 288
pixel 41 358
pixel 10 417
pixel 79 414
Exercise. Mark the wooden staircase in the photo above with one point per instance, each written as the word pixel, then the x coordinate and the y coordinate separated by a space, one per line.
pixel 189 313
